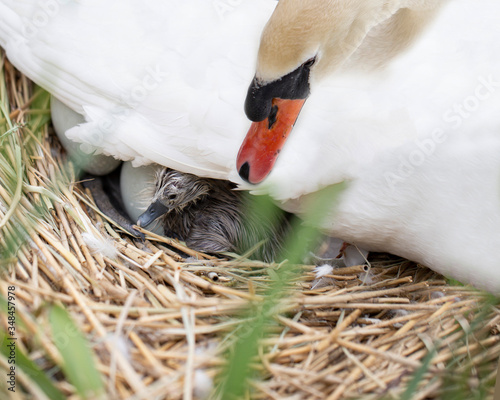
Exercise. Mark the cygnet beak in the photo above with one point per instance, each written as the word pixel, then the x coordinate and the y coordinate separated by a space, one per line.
pixel 154 211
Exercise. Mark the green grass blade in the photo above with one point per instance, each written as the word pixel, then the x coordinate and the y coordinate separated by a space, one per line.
pixel 18 190
pixel 36 375
pixel 78 361
pixel 41 102
pixel 412 388
pixel 234 378
pixel 23 362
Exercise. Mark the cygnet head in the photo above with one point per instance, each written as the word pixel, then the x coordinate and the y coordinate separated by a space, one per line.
pixel 173 192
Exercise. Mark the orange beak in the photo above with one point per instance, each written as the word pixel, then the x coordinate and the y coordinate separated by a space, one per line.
pixel 265 139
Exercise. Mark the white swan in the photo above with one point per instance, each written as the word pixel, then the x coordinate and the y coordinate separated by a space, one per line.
pixel 419 141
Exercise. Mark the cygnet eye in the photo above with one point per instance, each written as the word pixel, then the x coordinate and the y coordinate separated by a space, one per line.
pixel 172 196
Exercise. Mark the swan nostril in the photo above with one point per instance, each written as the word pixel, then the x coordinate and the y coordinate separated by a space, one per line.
pixel 245 172
pixel 273 116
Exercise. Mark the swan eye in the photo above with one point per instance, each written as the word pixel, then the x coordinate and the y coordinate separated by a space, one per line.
pixel 172 196
pixel 309 63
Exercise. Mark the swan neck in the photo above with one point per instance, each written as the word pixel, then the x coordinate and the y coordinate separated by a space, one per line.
pixel 332 31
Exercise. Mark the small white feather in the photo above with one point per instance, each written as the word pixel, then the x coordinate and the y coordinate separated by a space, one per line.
pixel 323 270
pixel 120 345
pixel 100 245
pixel 203 384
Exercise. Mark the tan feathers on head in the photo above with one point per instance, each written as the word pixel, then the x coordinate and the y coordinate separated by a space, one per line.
pixel 336 31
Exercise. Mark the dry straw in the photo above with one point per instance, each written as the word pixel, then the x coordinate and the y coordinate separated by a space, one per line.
pixel 160 317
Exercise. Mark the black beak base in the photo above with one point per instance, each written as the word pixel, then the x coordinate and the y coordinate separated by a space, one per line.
pixel 293 86
pixel 154 211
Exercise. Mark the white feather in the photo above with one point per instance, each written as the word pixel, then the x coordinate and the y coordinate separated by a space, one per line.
pixel 323 270
pixel 100 245
pixel 203 384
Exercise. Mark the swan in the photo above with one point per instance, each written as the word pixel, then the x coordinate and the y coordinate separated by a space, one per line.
pixel 402 105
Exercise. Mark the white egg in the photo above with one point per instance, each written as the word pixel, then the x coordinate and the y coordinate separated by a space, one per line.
pixel 137 184
pixel 64 118
pixel 137 187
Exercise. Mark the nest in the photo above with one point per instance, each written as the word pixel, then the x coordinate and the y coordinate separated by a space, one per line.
pixel 164 321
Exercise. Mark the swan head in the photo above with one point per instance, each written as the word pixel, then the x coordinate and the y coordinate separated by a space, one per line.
pixel 173 192
pixel 307 33
pixel 303 42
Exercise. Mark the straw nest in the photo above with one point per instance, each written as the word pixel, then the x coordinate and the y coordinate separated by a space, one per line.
pixel 160 317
